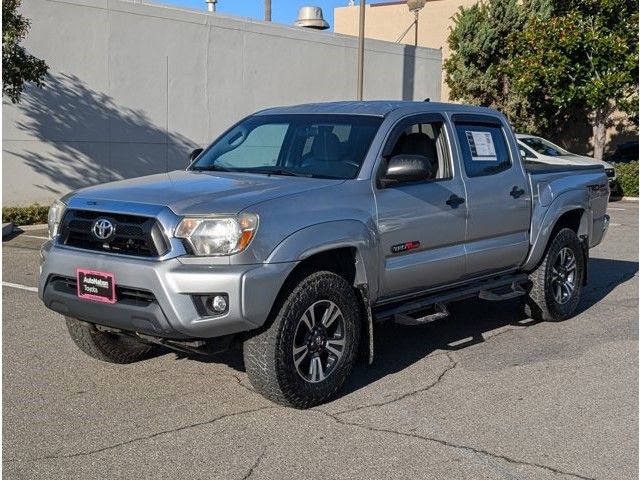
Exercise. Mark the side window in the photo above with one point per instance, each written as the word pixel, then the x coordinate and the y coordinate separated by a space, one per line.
pixel 260 148
pixel 484 149
pixel 542 147
pixel 427 140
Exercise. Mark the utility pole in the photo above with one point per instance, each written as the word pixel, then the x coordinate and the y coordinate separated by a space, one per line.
pixel 267 10
pixel 360 52
pixel 415 43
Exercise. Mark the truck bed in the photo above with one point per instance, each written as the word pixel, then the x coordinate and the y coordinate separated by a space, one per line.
pixel 541 168
pixel 574 184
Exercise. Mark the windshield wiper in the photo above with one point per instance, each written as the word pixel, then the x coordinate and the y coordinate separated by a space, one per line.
pixel 211 168
pixel 265 170
pixel 277 171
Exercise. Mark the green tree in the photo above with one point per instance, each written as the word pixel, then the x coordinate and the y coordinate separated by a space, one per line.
pixel 582 58
pixel 18 66
pixel 479 42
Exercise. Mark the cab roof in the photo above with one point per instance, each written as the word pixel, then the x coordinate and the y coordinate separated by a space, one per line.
pixel 377 108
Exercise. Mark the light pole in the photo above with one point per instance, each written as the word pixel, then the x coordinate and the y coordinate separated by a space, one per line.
pixel 360 53
pixel 415 6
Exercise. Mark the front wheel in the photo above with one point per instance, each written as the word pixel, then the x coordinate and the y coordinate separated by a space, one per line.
pixel 305 354
pixel 557 282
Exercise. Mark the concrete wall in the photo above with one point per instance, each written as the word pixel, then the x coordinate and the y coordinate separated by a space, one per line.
pixel 134 87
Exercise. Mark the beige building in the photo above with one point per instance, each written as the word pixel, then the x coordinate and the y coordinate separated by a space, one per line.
pixel 394 22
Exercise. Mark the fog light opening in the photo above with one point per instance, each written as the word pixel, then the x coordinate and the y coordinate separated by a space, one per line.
pixel 212 305
pixel 216 304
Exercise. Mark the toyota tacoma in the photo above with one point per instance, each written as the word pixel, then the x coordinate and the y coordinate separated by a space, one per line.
pixel 300 227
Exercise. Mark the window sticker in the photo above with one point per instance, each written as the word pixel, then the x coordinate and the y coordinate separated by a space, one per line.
pixel 481 146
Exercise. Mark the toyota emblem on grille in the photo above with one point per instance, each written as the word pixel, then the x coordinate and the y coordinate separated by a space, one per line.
pixel 103 229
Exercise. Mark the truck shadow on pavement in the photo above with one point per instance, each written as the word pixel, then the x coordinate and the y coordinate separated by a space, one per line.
pixel 471 322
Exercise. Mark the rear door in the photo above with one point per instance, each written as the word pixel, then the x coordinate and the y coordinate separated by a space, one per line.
pixel 498 200
pixel 421 235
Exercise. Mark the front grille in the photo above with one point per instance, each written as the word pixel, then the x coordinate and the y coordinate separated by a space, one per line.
pixel 610 172
pixel 136 295
pixel 134 235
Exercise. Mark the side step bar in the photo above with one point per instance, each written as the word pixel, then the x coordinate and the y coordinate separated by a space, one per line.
pixel 413 312
pixel 516 290
pixel 439 313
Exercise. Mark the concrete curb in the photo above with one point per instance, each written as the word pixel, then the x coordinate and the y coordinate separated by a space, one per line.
pixel 7 229
pixel 629 199
pixel 39 226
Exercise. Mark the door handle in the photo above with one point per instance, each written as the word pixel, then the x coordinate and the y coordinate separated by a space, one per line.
pixel 454 201
pixel 516 192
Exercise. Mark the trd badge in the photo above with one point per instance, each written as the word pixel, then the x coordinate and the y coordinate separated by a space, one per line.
pixel 403 247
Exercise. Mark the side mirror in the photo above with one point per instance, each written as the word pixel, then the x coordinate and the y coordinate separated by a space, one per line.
pixel 193 155
pixel 407 168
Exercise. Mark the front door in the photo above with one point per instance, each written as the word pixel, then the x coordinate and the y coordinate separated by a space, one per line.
pixel 421 224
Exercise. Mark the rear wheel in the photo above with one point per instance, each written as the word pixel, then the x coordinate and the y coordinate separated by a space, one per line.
pixel 557 282
pixel 305 354
pixel 106 346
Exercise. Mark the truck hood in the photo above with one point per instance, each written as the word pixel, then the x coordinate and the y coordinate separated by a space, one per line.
pixel 582 160
pixel 201 193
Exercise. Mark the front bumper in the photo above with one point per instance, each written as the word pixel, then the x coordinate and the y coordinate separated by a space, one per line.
pixel 251 290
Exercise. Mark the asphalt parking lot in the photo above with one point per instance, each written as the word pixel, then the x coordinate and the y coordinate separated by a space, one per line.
pixel 485 394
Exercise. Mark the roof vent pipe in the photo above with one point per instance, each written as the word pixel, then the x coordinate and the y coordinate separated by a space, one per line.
pixel 311 17
pixel 211 5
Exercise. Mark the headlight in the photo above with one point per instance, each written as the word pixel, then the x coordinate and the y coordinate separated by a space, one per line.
pixel 56 211
pixel 218 235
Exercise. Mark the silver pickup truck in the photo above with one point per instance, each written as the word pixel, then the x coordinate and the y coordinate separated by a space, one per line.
pixel 301 227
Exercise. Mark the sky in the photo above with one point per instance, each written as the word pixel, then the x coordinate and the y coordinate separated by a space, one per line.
pixel 282 11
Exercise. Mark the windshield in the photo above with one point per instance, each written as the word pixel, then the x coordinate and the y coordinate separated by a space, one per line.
pixel 544 147
pixel 322 146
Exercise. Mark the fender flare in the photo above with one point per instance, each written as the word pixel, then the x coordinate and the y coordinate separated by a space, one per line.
pixel 326 236
pixel 577 200
pixel 332 235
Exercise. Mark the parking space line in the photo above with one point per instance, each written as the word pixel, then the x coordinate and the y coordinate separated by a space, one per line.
pixel 21 287
pixel 34 236
pixel 615 208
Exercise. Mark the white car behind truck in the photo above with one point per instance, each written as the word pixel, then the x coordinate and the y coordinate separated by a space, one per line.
pixel 538 149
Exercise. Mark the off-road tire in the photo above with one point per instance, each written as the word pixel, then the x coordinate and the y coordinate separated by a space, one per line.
pixel 106 346
pixel 540 304
pixel 268 353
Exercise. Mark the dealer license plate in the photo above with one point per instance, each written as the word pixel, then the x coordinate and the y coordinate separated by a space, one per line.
pixel 96 286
